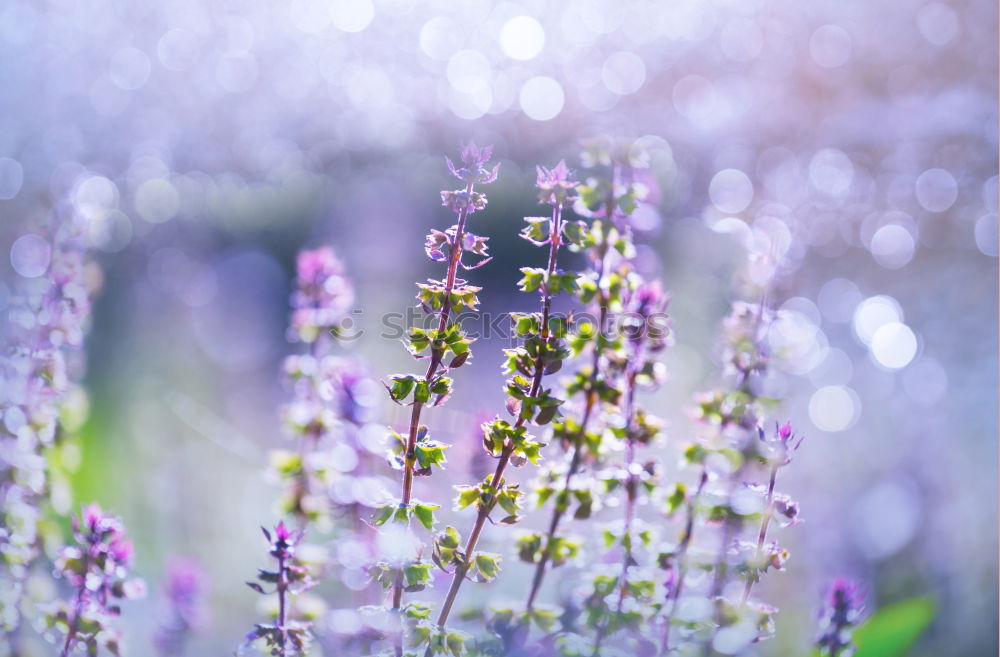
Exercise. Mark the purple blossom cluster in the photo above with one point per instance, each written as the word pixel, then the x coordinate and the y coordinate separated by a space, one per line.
pixel 643 592
pixel 332 398
pixel 183 592
pixel 96 569
pixel 286 636
pixel 323 296
pixel 48 316
pixel 842 611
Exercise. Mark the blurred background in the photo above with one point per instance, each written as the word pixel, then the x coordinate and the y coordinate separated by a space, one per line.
pixel 205 142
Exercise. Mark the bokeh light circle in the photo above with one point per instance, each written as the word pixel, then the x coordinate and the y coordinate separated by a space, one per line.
pixel 894 345
pixel 892 246
pixel 938 23
pixel 830 46
pixel 468 71
pixel 541 98
pixel 834 408
pixel 522 38
pixel 936 190
pixel 623 73
pixel 873 313
pixel 731 191
pixel 11 178
pixel 30 255
pixel 352 15
pixel 438 38
pixel 130 68
pixel 157 200
pixel 986 235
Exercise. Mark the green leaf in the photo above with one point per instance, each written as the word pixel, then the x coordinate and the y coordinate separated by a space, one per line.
pixel 893 630
pixel 382 514
pixel 425 514
pixel 467 495
pixel 422 393
pixel 676 498
pixel 487 565
pixel 533 277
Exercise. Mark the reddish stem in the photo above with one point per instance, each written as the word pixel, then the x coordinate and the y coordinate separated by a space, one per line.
pixel 630 492
pixel 409 459
pixel 576 460
pixel 765 521
pixel 682 566
pixel 461 569
pixel 81 598
pixel 282 612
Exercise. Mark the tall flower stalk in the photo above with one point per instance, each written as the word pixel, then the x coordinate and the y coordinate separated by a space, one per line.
pixel 325 477
pixel 731 418
pixel 607 196
pixel 285 637
pixel 322 299
pixel 646 333
pixel 183 593
pixel 48 317
pixel 96 567
pixel 415 452
pixel 542 351
pixel 841 613
pixel 775 453
pixel 733 448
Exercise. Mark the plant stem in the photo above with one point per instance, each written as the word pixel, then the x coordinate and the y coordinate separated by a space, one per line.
pixel 730 526
pixel 436 356
pixel 282 612
pixel 557 513
pixel 306 445
pixel 484 511
pixel 765 521
pixel 682 566
pixel 577 458
pixel 630 492
pixel 81 598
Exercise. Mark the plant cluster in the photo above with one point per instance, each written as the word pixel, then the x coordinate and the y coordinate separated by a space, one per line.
pixel 183 592
pixel 42 361
pixel 286 636
pixel 644 593
pixel 96 567
pixel 42 406
pixel 668 561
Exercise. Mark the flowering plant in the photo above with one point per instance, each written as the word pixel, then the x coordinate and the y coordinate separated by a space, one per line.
pixel 96 568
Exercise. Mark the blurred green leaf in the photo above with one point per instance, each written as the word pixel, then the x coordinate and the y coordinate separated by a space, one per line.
pixel 892 631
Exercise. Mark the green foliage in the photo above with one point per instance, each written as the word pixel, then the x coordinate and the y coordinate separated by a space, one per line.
pixel 402 386
pixel 431 295
pixel 401 513
pixel 452 340
pixel 892 631
pixel 535 278
pixel 499 434
pixel 427 453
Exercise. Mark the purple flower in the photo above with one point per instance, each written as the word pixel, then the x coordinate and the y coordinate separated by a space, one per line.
pixel 645 319
pixel 346 383
pixel 557 186
pixel 183 591
pixel 284 637
pixel 781 443
pixel 97 568
pixel 474 171
pixel 842 610
pixel 185 587
pixel 323 295
pixel 284 541
pixel 461 200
